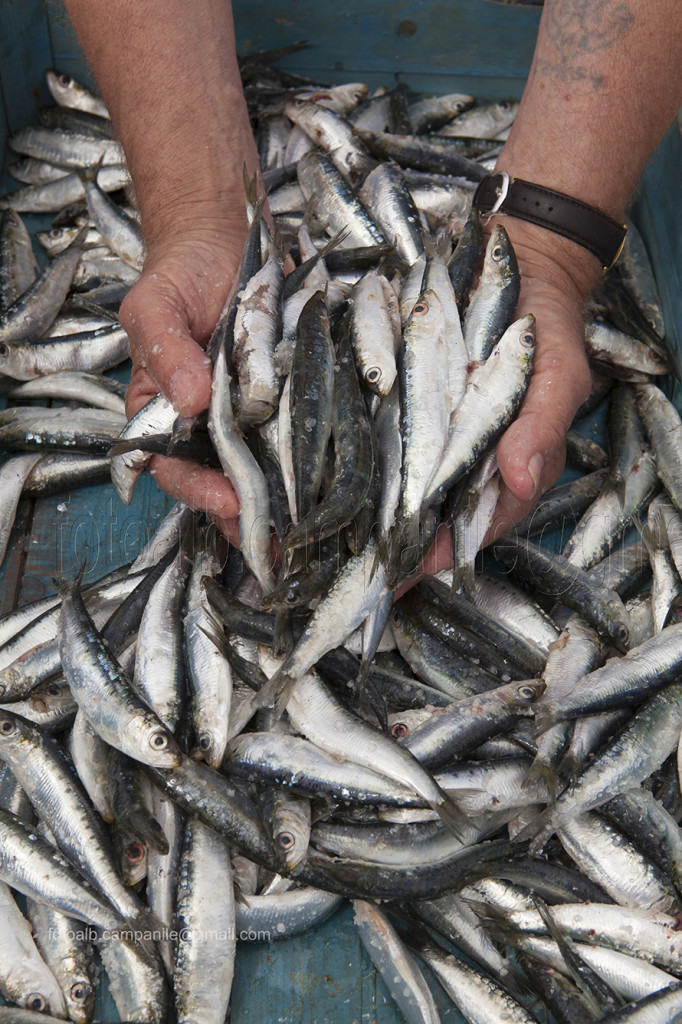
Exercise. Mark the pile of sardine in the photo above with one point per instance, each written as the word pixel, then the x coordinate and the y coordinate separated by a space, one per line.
pixel 215 742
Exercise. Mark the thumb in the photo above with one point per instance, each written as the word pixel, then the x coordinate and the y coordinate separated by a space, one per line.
pixel 155 316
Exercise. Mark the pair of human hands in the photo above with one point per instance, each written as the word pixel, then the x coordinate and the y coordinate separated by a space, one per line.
pixel 170 314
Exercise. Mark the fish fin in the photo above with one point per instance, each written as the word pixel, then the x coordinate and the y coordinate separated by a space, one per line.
pixel 240 898
pixel 250 186
pixel 545 718
pixel 283 640
pixel 569 768
pixel 156 444
pixel 455 820
pixel 540 771
pixel 462 580
pixel 64 586
pixel 276 692
pixel 156 837
pixel 538 831
pixel 90 173
pixel 137 932
pixel 570 956
pixel 657 529
pixel 403 539
pixel 216 633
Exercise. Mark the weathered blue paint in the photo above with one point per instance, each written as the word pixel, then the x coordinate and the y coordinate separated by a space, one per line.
pixel 469 45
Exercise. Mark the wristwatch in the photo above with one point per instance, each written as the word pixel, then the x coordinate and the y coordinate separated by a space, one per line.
pixel 589 227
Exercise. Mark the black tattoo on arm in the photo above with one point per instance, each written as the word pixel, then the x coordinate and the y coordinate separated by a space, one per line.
pixel 579 28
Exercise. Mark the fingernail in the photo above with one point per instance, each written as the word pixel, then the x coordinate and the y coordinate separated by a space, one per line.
pixel 181 388
pixel 535 466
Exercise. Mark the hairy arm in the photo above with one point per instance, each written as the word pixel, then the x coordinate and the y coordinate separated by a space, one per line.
pixel 604 86
pixel 167 70
pixel 605 83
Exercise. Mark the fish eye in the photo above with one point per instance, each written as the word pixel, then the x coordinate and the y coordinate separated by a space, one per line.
pixel 623 634
pixel 527 692
pixel 285 840
pixel 52 689
pixel 397 619
pixel 4 350
pixel 497 253
pixel 505 105
pixel 158 740
pixel 291 597
pixel 7 727
pixel 80 991
pixel 373 375
pixel 527 339
pixel 655 356
pixel 399 730
pixel 135 853
pixel 421 309
pixel 205 742
pixel 64 80
pixel 36 1002
pixel 56 233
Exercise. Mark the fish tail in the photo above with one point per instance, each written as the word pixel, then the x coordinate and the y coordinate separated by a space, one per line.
pixel 462 579
pixel 538 831
pixel 276 692
pixel 545 718
pixel 404 551
pixel 455 820
pixel 90 173
pixel 541 771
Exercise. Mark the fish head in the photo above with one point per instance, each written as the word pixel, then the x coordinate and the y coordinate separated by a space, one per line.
pixel 160 747
pixel 500 264
pixel 527 691
pixel 36 1002
pixel 80 1000
pixel 131 855
pixel 17 735
pixel 617 625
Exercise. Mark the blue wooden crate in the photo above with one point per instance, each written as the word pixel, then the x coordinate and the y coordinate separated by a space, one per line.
pixel 467 45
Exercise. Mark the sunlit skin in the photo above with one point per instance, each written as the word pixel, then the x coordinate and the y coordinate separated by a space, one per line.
pixel 604 86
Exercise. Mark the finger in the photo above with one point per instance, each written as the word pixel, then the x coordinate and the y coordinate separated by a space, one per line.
pixel 155 317
pixel 228 527
pixel 560 382
pixel 438 557
pixel 206 490
pixel 510 509
pixel 141 389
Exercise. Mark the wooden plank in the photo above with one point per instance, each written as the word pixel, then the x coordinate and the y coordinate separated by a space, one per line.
pixel 3 139
pixel 469 39
pixel 657 214
pixel 470 46
pixel 322 976
pixel 66 52
pixel 89 527
pixel 25 53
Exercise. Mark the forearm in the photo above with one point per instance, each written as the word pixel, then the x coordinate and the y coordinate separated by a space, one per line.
pixel 167 70
pixel 605 84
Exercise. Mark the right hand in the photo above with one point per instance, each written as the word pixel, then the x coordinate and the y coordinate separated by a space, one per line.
pixel 169 316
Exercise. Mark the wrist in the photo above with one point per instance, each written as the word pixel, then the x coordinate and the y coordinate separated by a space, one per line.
pixel 542 253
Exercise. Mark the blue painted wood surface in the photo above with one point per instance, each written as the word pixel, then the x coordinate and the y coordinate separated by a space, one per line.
pixel 470 45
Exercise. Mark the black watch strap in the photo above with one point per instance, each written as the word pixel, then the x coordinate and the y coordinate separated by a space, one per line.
pixel 604 237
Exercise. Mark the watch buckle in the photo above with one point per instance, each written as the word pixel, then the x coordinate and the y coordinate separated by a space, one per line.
pixel 620 249
pixel 501 190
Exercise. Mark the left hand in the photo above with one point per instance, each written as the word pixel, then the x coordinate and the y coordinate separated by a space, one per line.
pixel 556 277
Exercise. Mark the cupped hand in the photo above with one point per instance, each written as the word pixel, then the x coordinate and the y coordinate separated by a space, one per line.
pixel 169 316
pixel 556 278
